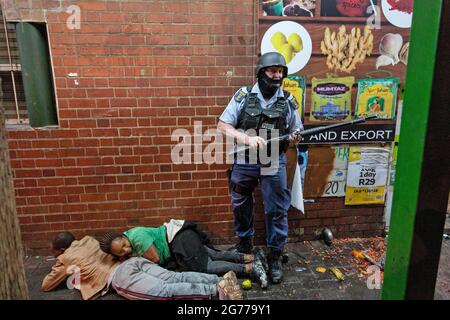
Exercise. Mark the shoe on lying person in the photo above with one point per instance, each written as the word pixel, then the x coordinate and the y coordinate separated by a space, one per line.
pixel 259 272
pixel 259 253
pixel 229 288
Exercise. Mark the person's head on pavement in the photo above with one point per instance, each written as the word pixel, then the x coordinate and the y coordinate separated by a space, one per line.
pixel 61 242
pixel 117 244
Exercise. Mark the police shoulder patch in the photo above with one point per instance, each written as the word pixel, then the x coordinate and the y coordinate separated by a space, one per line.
pixel 294 102
pixel 240 95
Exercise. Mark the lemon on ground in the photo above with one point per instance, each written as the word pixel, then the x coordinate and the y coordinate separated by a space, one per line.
pixel 246 284
pixel 295 41
pixel 278 40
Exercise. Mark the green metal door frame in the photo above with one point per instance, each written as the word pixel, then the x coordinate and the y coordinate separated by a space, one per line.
pixel 421 187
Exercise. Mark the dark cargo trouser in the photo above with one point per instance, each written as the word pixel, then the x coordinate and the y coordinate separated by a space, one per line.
pixel 276 197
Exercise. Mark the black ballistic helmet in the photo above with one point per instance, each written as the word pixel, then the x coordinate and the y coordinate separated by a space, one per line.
pixel 327 236
pixel 271 59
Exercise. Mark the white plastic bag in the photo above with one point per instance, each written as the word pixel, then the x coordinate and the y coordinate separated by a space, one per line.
pixel 297 191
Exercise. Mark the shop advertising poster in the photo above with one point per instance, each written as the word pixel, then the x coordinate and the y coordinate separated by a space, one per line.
pixel 376 97
pixel 367 175
pixel 337 178
pixel 296 85
pixel 357 39
pixel 331 98
pixel 326 173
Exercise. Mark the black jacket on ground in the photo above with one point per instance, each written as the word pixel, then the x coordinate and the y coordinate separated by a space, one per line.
pixel 188 248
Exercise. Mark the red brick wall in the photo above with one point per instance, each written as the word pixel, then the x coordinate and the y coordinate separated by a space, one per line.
pixel 144 69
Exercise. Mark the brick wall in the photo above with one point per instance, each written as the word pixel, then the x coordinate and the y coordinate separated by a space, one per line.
pixel 142 70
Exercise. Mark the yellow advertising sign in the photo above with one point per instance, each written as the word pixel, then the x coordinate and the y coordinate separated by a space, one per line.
pixel 296 85
pixel 366 175
pixel 376 97
pixel 331 98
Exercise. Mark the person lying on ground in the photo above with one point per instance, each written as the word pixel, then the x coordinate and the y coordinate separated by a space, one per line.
pixel 83 257
pixel 94 272
pixel 139 278
pixel 182 241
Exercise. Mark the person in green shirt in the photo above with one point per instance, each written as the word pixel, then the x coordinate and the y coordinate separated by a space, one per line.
pixel 153 244
pixel 135 278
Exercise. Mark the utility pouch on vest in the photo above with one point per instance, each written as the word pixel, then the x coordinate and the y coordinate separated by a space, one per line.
pixel 253 112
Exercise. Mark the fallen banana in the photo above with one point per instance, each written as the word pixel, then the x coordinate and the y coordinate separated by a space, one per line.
pixel 338 274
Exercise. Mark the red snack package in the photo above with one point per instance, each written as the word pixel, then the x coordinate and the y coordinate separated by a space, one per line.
pixel 405 6
pixel 352 8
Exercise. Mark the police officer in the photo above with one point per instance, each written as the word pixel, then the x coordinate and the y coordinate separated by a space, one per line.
pixel 262 108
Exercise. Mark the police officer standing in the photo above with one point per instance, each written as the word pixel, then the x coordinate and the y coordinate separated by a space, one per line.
pixel 264 109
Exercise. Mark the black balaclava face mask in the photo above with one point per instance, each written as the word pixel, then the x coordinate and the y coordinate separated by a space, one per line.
pixel 268 86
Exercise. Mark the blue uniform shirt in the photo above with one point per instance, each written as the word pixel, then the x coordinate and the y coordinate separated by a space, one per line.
pixel 232 111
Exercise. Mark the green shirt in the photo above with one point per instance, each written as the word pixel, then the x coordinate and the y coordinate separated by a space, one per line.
pixel 142 238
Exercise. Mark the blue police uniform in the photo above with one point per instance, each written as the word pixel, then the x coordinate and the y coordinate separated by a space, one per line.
pixel 245 176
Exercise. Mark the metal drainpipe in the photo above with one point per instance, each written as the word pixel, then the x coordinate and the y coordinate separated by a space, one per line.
pixel 19 120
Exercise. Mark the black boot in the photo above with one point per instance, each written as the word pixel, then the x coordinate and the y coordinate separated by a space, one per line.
pixel 275 271
pixel 245 246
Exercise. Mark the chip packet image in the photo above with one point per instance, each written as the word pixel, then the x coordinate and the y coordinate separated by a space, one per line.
pixel 331 98
pixel 296 85
pixel 376 97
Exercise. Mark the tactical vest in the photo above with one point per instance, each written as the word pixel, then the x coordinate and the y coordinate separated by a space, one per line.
pixel 253 116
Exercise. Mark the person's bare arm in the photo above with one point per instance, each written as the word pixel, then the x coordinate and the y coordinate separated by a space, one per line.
pixel 228 130
pixel 152 254
pixel 55 277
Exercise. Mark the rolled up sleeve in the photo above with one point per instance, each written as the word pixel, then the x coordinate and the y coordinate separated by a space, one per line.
pixel 231 112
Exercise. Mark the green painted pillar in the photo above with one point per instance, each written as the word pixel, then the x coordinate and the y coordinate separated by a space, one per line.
pixel 422 176
pixel 36 75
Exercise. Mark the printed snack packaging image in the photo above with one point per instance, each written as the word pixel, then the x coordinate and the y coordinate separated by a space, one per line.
pixel 331 98
pixel 398 12
pixel 296 85
pixel 348 8
pixel 305 8
pixel 367 175
pixel 273 7
pixel 376 97
pixel 344 50
pixel 352 8
pixel 405 6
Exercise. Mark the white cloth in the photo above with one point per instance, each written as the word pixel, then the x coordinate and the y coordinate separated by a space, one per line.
pixel 297 191
pixel 173 226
